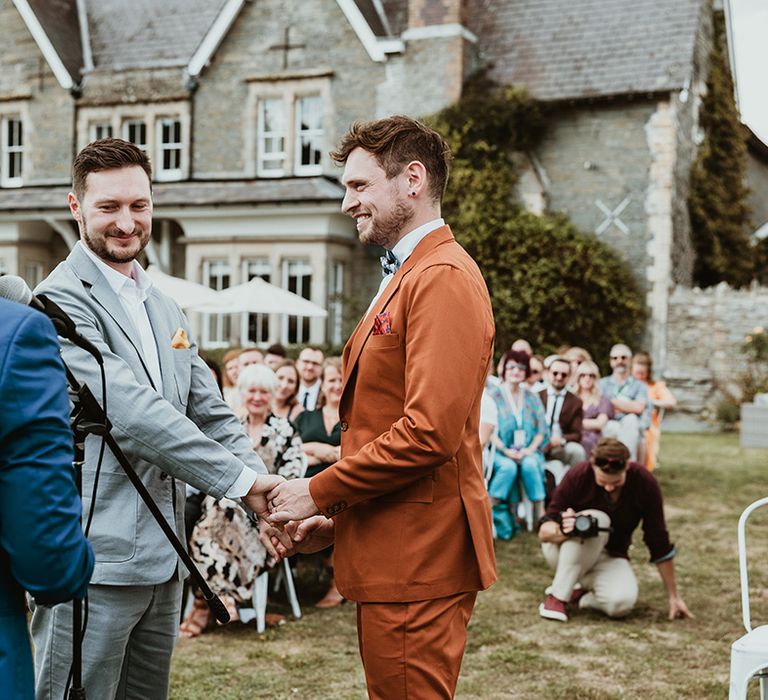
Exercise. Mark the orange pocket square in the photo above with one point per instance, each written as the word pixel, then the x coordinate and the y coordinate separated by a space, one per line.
pixel 180 339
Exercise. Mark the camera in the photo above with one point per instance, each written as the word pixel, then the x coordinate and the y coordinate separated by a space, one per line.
pixel 585 526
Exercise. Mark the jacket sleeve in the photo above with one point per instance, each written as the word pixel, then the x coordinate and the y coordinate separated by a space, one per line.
pixel 448 343
pixel 40 508
pixel 573 434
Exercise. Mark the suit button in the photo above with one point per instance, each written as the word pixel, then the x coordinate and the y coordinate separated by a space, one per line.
pixel 344 426
pixel 163 476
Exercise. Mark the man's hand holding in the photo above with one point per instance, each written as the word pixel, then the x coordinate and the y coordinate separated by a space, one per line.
pixel 567 521
pixel 277 542
pixel 311 535
pixel 291 500
pixel 256 498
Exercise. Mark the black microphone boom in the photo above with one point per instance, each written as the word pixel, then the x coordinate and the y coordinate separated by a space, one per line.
pixel 15 289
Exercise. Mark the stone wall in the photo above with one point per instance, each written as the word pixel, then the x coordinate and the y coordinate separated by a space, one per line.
pixel 706 329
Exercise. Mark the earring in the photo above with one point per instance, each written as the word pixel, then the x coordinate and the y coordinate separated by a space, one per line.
pixel 413 194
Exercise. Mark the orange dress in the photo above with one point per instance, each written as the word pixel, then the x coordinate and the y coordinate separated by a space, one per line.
pixel 657 391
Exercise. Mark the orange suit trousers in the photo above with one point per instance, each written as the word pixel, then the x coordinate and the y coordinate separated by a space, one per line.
pixel 413 651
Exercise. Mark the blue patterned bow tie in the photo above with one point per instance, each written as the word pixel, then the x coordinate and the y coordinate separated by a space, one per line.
pixel 389 263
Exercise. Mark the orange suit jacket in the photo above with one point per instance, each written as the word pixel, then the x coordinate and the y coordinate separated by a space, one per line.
pixel 410 508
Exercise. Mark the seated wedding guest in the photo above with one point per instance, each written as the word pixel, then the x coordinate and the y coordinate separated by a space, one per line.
pixel 275 356
pixel 564 414
pixel 632 409
pixel 225 541
pixel 522 436
pixel 575 356
pixel 597 409
pixel 661 398
pixel 321 439
pixel 522 345
pixel 286 403
pixel 535 381
pixel 231 364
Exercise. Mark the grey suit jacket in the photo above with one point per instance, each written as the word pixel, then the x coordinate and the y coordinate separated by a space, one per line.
pixel 187 431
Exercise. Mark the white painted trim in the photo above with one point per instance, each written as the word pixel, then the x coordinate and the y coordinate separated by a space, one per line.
pixel 731 48
pixel 214 37
pixel 439 31
pixel 44 44
pixel 376 48
pixel 85 36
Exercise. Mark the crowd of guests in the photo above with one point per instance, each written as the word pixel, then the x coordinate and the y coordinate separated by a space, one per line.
pixel 290 412
pixel 542 415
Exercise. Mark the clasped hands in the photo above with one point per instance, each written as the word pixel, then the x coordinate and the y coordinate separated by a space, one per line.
pixel 288 517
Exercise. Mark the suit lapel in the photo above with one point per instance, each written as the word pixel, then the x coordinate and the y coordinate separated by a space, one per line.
pixel 364 328
pixel 103 293
pixel 157 317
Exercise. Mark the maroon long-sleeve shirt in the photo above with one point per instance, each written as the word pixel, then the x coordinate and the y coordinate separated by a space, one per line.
pixel 640 499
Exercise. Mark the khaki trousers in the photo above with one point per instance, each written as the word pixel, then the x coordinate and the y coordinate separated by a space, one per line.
pixel 609 581
pixel 413 651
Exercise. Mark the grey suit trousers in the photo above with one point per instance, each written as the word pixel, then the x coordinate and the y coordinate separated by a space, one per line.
pixel 127 647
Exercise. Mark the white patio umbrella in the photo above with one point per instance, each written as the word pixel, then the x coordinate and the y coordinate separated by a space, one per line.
pixel 259 297
pixel 185 293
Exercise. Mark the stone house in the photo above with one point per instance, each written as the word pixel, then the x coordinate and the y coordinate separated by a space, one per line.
pixel 239 101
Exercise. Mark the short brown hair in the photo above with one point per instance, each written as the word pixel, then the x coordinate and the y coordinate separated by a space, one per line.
pixel 107 154
pixel 396 141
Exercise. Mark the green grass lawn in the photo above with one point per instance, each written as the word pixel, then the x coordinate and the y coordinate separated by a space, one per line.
pixel 707 480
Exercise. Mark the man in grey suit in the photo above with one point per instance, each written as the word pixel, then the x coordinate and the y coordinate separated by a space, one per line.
pixel 167 416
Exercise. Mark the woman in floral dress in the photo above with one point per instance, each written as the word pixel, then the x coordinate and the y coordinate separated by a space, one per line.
pixel 225 543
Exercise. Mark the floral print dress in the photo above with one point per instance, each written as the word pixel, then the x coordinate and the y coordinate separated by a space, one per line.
pixel 225 543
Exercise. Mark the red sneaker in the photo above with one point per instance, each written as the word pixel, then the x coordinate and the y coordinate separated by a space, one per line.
pixel 553 609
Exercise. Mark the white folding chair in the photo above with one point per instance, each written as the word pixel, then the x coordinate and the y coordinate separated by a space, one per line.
pixel 260 594
pixel 749 654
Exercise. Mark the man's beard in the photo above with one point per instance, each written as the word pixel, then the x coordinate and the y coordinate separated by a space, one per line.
pixel 387 231
pixel 98 244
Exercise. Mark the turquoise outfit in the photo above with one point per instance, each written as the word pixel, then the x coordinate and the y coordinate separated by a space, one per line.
pixel 504 484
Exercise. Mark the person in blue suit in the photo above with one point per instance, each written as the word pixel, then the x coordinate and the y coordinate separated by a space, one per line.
pixel 42 546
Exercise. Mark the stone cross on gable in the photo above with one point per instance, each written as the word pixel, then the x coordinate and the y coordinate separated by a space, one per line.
pixel 286 46
pixel 612 216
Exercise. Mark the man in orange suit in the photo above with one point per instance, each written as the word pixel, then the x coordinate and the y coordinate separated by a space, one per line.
pixel 406 504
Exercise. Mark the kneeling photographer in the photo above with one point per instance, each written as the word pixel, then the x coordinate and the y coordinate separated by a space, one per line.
pixel 587 530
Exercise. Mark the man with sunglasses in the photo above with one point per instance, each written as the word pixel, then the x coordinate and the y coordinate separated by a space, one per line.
pixel 593 571
pixel 564 416
pixel 632 409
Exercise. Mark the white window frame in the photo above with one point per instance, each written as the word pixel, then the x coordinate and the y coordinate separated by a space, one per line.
pixel 220 322
pixel 95 127
pixel 311 134
pixel 128 123
pixel 161 172
pixel 262 135
pixel 263 266
pixel 10 150
pixel 296 266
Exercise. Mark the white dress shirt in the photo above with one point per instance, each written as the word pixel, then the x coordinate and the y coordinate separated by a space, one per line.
pixel 404 247
pixel 312 393
pixel 555 400
pixel 132 292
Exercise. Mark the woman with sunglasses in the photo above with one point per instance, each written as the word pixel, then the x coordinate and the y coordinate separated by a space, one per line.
pixel 598 409
pixel 522 434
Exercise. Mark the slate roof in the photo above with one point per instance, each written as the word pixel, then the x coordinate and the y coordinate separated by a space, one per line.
pixel 190 194
pixel 574 49
pixel 59 20
pixel 147 33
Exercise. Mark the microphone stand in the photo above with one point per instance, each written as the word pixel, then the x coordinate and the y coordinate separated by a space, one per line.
pixel 88 417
